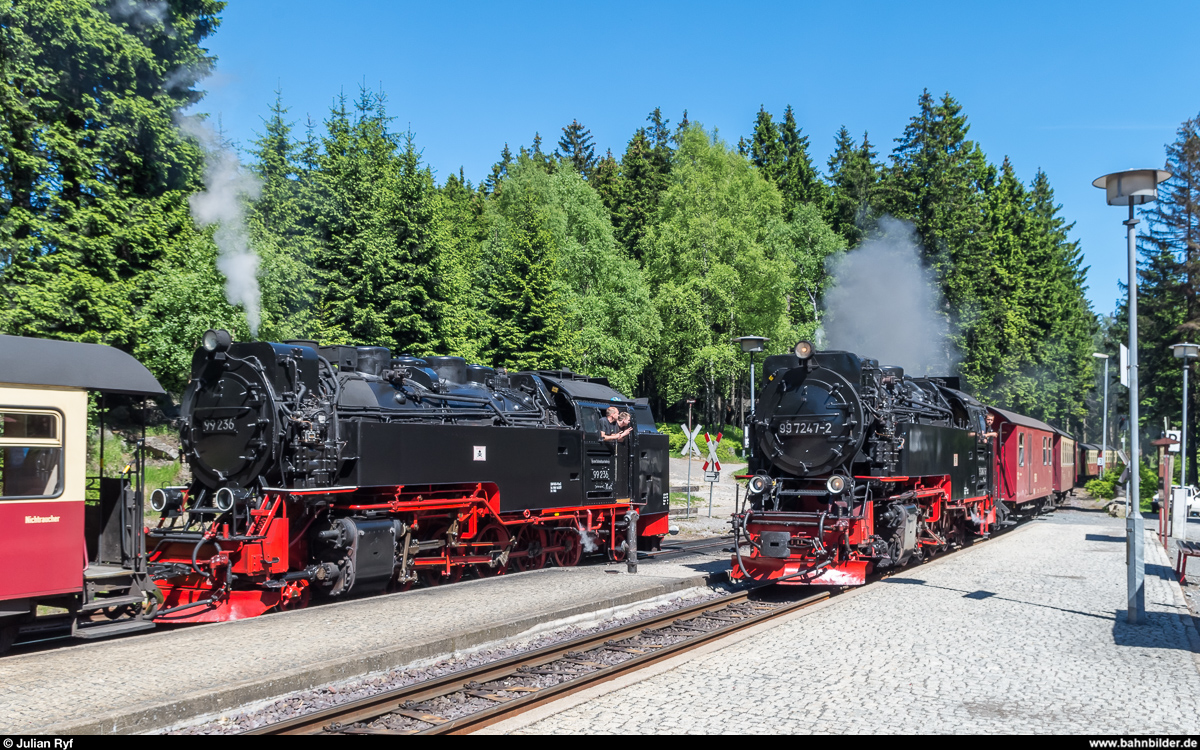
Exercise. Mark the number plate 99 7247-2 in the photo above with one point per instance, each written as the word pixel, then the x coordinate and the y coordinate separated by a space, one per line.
pixel 789 427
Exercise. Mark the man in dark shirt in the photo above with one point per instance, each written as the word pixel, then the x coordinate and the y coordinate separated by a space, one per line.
pixel 609 431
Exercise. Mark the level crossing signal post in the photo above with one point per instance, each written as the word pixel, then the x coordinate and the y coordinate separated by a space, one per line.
pixel 712 467
pixel 689 449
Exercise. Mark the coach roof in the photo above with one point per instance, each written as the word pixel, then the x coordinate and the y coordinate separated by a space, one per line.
pixel 1021 419
pixel 93 367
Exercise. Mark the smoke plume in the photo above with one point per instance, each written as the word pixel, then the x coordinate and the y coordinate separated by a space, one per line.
pixel 883 304
pixel 227 187
pixel 141 14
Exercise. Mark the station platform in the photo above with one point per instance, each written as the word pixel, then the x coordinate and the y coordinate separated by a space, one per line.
pixel 148 682
pixel 1025 633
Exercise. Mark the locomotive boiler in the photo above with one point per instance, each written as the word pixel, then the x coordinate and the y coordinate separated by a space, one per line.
pixel 330 470
pixel 856 466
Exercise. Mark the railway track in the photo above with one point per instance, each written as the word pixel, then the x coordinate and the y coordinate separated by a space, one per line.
pixel 465 701
pixel 468 700
pixel 52 632
pixel 688 547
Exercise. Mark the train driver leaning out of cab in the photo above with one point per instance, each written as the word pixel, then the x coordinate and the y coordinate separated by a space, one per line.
pixel 609 430
pixel 991 429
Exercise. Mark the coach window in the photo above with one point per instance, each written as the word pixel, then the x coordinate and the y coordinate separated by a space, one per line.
pixel 30 453
pixel 1020 449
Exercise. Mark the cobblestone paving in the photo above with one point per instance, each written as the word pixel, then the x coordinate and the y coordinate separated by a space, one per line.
pixel 1025 633
pixel 156 680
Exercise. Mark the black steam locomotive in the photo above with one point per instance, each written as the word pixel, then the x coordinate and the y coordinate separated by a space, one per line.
pixel 331 469
pixel 856 466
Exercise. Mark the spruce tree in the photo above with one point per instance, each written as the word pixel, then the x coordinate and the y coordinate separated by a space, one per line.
pixel 937 181
pixel 576 147
pixel 461 306
pixel 642 181
pixel 529 324
pixel 380 233
pixel 492 184
pixel 766 151
pixel 607 181
pixel 799 183
pixel 854 174
pixel 282 230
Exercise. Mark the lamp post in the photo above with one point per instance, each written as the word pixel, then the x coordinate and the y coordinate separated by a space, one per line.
pixel 750 345
pixel 1104 419
pixel 1132 188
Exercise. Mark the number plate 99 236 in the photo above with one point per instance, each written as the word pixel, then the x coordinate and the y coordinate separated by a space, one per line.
pixel 803 427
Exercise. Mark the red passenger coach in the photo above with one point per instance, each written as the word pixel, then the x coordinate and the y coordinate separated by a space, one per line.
pixel 1025 460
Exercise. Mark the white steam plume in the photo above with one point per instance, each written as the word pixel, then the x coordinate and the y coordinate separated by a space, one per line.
pixel 139 13
pixel 883 304
pixel 227 186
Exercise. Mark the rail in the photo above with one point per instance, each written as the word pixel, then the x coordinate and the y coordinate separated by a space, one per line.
pixel 468 700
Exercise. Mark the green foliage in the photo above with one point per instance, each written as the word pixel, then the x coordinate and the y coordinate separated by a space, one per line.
pixel 95 175
pixel 719 259
pixel 1105 486
pixel 1168 293
pixel 576 147
pixel 529 315
pixel 379 233
pixel 639 267
pixel 1000 255
pixel 853 206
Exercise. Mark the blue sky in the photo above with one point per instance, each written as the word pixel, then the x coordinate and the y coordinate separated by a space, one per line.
pixel 1077 90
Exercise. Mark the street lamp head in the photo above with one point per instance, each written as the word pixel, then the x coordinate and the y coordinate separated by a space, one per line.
pixel 1098 355
pixel 751 343
pixel 1132 187
pixel 1186 351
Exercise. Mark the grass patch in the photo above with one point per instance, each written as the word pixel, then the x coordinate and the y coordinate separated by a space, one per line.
pixel 166 475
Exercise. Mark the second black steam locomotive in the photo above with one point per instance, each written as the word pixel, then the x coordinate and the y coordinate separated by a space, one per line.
pixel 335 469
pixel 856 466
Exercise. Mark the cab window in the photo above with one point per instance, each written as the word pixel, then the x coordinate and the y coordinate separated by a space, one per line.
pixel 644 419
pixel 30 453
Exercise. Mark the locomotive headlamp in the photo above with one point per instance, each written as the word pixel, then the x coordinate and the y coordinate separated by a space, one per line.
pixel 226 497
pixel 760 484
pixel 835 484
pixel 216 340
pixel 167 499
pixel 804 350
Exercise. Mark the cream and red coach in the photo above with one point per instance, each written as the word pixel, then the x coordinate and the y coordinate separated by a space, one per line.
pixel 57 548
